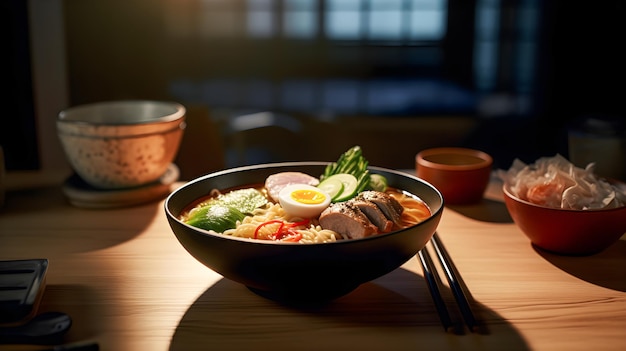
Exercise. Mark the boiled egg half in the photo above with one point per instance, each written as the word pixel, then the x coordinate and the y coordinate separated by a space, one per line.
pixel 302 200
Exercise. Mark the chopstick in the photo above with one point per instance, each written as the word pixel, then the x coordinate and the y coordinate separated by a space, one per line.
pixel 433 282
pixel 455 283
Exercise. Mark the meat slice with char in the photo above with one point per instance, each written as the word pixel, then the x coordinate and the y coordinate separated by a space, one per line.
pixel 385 202
pixel 348 220
pixel 374 214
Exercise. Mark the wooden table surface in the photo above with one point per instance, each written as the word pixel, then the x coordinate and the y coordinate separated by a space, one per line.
pixel 129 285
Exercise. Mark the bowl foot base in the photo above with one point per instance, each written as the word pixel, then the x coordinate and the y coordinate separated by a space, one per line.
pixel 312 297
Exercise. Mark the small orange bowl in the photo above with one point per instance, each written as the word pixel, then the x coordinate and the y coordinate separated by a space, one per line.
pixel 460 174
pixel 565 231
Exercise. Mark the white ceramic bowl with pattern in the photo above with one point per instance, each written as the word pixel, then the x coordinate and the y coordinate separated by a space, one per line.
pixel 121 144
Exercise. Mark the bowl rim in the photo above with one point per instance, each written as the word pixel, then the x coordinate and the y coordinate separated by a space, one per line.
pixel 434 213
pixel 508 193
pixel 178 113
pixel 136 134
pixel 486 159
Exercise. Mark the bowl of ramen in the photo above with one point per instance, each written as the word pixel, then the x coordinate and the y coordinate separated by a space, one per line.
pixel 565 209
pixel 284 253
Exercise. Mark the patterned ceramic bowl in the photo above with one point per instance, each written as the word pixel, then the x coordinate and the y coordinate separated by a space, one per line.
pixel 121 144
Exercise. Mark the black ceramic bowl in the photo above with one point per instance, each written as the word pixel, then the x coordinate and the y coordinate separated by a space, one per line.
pixel 300 272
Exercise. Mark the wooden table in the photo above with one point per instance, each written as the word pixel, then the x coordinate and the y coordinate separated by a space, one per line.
pixel 129 285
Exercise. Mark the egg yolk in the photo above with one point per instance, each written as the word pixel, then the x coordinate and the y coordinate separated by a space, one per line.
pixel 308 196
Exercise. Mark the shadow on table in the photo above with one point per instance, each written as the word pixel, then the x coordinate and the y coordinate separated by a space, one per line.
pixel 77 302
pixel 48 204
pixel 486 210
pixel 606 268
pixel 394 312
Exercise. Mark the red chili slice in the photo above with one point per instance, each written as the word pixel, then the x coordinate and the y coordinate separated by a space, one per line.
pixel 285 230
pixel 274 221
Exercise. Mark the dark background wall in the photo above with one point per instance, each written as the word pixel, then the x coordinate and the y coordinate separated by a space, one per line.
pixel 120 49
pixel 18 136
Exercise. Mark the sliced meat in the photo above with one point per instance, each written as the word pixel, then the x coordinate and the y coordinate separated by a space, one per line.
pixel 374 214
pixel 385 202
pixel 346 219
pixel 276 182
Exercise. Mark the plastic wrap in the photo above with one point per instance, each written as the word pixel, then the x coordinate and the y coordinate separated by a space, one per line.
pixel 556 182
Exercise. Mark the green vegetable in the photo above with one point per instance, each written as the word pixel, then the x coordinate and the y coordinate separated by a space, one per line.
pixel 332 186
pixel 378 182
pixel 348 186
pixel 245 200
pixel 217 217
pixel 352 162
pixel 224 211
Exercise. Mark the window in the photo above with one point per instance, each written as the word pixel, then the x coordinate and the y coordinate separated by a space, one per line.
pixel 341 56
pixel 395 21
pixel 260 19
pixel 300 19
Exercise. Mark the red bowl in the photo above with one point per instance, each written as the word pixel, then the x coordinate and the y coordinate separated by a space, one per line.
pixel 460 174
pixel 567 232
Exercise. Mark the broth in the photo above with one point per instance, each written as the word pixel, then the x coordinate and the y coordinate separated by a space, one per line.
pixel 415 211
